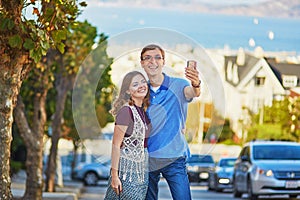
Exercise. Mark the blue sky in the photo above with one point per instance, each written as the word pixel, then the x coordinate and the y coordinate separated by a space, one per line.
pixel 232 1
pixel 221 2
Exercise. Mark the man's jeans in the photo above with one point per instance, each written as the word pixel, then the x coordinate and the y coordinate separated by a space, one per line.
pixel 174 171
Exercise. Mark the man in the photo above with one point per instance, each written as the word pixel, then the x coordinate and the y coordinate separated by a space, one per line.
pixel 168 149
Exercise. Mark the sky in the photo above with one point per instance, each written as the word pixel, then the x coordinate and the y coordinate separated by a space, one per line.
pixel 221 2
pixel 232 1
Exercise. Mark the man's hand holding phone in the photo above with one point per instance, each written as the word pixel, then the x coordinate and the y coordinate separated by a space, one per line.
pixel 192 73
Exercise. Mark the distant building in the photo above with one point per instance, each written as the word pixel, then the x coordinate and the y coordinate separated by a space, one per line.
pixel 253 81
pixel 288 74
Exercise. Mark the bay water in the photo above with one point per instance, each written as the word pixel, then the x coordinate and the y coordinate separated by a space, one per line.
pixel 209 30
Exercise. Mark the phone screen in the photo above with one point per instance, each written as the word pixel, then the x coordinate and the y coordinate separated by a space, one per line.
pixel 192 64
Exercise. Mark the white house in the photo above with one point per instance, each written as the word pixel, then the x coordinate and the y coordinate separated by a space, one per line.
pixel 253 81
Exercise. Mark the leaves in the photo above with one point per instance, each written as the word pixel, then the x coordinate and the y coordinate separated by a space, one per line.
pixel 38 35
pixel 6 24
pixel 83 4
pixel 59 35
pixel 61 47
pixel 20 36
pixel 35 54
pixel 15 41
pixel 28 44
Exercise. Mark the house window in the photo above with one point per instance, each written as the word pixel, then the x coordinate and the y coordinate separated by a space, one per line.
pixel 289 81
pixel 259 81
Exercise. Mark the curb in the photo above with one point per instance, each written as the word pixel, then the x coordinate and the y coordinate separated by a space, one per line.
pixel 50 195
pixel 70 191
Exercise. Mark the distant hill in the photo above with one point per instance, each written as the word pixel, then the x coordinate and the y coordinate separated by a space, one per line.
pixel 269 8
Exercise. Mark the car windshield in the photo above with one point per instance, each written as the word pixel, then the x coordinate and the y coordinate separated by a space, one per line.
pixel 227 162
pixel 276 152
pixel 105 160
pixel 200 158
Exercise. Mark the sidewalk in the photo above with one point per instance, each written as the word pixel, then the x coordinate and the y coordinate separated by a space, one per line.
pixel 70 191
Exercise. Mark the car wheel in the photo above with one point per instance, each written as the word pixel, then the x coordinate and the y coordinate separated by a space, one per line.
pixel 210 184
pixel 218 189
pixel 251 196
pixel 190 179
pixel 217 186
pixel 236 193
pixel 293 196
pixel 90 178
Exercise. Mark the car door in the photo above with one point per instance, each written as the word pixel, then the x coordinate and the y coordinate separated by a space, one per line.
pixel 241 170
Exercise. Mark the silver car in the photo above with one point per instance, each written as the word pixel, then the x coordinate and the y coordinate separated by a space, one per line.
pixel 268 168
pixel 91 173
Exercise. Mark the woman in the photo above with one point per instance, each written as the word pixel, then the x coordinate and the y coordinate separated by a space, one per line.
pixel 129 173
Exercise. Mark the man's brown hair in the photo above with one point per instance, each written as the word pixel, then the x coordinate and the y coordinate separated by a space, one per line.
pixel 152 47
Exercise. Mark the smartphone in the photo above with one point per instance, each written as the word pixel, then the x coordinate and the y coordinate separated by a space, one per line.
pixel 191 64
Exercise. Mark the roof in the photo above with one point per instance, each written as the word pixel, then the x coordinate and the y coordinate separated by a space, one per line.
pixel 295 92
pixel 279 69
pixel 284 69
pixel 243 70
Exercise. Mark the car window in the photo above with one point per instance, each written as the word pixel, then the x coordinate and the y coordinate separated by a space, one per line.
pixel 200 158
pixel 227 162
pixel 83 157
pixel 276 152
pixel 245 152
pixel 103 159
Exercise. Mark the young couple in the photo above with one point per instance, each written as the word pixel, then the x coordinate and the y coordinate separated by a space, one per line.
pixel 148 136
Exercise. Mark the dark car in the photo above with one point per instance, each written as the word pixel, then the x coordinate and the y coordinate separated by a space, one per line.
pixel 91 173
pixel 198 167
pixel 221 177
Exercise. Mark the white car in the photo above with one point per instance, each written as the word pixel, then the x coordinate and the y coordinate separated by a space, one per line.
pixel 268 168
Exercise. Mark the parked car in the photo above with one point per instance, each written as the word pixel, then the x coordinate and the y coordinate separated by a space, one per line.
pixel 267 168
pixel 107 136
pixel 91 173
pixel 198 167
pixel 221 177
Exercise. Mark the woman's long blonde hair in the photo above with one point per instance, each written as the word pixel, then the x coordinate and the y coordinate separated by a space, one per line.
pixel 124 98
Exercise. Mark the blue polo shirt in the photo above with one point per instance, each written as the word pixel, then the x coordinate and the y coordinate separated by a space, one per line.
pixel 167 113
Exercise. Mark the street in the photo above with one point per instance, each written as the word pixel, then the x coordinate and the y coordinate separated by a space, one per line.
pixel 199 192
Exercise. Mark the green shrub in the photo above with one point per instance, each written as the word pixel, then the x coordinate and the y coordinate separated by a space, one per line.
pixel 15 167
pixel 265 132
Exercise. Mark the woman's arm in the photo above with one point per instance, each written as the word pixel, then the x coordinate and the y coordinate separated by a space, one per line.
pixel 119 132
